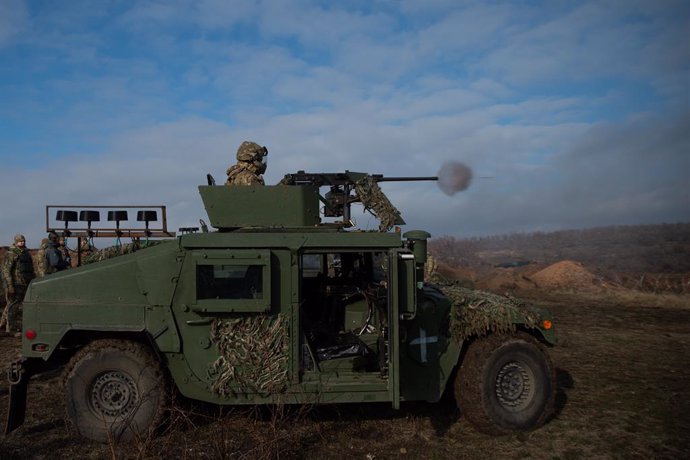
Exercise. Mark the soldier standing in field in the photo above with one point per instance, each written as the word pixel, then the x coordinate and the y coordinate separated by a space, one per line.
pixel 41 262
pixel 3 298
pixel 251 164
pixel 17 273
pixel 87 248
pixel 64 252
pixel 53 256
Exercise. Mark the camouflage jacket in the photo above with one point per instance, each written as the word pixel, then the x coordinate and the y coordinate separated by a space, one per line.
pixel 41 262
pixel 18 269
pixel 243 174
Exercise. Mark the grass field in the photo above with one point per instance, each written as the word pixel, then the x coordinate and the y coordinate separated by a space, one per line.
pixel 623 392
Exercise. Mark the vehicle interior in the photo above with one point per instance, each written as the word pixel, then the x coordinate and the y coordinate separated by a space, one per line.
pixel 344 311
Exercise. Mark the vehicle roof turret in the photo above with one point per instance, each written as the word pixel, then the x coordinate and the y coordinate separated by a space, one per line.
pixel 296 201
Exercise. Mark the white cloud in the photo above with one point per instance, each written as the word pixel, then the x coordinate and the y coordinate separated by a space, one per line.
pixel 321 27
pixel 148 97
pixel 594 40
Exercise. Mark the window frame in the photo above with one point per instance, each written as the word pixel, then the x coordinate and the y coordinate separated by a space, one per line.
pixel 226 257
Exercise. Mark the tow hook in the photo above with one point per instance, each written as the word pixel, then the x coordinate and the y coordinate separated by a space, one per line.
pixel 15 372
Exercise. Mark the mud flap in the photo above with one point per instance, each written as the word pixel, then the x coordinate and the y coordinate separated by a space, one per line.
pixel 18 375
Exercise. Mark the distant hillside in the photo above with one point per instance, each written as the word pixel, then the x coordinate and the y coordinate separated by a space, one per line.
pixel 663 248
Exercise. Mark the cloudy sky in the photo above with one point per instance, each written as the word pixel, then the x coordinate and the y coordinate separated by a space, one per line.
pixel 579 111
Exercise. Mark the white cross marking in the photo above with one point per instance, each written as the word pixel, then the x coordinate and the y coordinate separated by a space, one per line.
pixel 422 341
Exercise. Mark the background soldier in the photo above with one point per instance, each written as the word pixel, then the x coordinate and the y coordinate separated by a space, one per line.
pixel 64 252
pixel 3 297
pixel 41 262
pixel 54 260
pixel 17 272
pixel 251 164
pixel 87 248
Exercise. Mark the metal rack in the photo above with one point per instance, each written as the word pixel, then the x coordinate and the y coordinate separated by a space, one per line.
pixel 84 222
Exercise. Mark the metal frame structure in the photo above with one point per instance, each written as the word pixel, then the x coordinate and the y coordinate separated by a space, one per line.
pixel 90 232
pixel 110 232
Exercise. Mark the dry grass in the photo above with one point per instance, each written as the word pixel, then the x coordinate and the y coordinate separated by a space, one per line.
pixel 623 367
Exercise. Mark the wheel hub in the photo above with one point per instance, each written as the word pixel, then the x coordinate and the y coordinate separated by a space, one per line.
pixel 114 394
pixel 514 387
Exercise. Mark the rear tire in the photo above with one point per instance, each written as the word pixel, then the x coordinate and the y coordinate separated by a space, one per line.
pixel 115 390
pixel 506 383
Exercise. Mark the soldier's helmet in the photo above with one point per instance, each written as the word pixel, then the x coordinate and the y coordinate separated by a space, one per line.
pixel 19 237
pixel 251 151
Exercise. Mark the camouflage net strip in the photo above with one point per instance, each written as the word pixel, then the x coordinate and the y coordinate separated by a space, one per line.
pixel 253 355
pixel 479 312
pixel 374 200
pixel 114 251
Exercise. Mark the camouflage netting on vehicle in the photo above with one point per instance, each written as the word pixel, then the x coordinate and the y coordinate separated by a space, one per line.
pixel 253 355
pixel 374 200
pixel 114 251
pixel 476 313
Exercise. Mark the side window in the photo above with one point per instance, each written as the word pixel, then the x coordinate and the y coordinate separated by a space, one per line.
pixel 229 282
pixel 311 265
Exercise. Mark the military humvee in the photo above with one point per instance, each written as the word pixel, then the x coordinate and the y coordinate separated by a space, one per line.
pixel 280 306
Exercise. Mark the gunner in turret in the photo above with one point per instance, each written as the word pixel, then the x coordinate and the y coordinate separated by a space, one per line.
pixel 251 164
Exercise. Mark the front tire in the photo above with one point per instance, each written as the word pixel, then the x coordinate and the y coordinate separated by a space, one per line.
pixel 115 390
pixel 506 383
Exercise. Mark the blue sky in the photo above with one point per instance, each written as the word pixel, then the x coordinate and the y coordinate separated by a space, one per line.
pixel 580 111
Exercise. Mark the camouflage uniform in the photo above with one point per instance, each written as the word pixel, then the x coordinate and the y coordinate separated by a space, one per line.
pixel 41 263
pixel 17 272
pixel 251 164
pixel 3 298
pixel 87 249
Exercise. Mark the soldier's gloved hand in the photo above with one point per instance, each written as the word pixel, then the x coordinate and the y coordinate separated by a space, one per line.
pixel 10 289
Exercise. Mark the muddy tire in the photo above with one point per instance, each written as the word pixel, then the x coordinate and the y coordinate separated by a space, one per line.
pixel 506 383
pixel 115 390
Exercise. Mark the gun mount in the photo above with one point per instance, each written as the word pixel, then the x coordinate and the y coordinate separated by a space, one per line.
pixel 294 202
pixel 340 197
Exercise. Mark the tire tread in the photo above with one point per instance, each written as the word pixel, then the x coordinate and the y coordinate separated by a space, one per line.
pixel 468 382
pixel 135 349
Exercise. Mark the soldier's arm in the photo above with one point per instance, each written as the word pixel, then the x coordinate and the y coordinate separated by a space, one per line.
pixel 8 267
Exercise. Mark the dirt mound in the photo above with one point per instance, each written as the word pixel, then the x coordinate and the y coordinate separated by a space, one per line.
pixel 563 275
pixel 506 279
pixel 566 274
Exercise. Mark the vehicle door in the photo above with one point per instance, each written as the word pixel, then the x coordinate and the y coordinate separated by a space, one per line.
pixel 234 341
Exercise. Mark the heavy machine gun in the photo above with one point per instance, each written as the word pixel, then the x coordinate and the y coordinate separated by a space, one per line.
pixel 354 187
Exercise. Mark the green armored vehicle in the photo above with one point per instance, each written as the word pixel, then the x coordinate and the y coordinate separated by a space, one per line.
pixel 279 305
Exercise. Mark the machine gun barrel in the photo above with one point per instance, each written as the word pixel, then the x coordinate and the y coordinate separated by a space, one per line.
pixel 348 178
pixel 381 178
